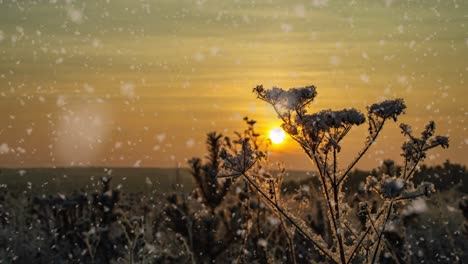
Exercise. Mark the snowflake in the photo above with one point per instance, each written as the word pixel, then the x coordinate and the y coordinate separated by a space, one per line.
pixel 299 10
pixel 75 15
pixel 286 28
pixel 364 78
pixel 199 56
pixel 4 148
pixel 127 89
pixel 190 143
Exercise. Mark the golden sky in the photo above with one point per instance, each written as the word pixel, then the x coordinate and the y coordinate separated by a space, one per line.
pixel 140 83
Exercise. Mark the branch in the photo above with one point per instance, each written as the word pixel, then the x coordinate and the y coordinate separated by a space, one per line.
pixel 362 238
pixel 361 153
pixel 374 258
pixel 289 218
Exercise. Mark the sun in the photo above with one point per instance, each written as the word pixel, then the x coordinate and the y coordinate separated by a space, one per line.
pixel 277 135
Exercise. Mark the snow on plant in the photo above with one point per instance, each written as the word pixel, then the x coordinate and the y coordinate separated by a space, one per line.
pixel 319 135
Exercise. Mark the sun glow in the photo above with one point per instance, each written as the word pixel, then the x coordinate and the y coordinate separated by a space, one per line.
pixel 277 135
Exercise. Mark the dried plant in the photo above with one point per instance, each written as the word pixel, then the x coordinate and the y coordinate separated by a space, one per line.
pixel 320 135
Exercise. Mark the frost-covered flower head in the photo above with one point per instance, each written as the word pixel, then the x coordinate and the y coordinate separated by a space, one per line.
pixel 388 108
pixel 405 129
pixel 391 187
pixel 414 149
pixel 327 119
pixel 327 127
pixel 440 141
pixel 235 165
pixel 292 99
pixel 386 186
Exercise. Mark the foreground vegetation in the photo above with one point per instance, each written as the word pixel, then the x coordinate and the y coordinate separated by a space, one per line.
pixel 148 227
pixel 242 211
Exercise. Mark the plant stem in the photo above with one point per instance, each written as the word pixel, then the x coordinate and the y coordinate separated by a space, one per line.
pixel 374 258
pixel 362 238
pixel 330 207
pixel 361 154
pixel 281 211
pixel 336 190
pixel 288 237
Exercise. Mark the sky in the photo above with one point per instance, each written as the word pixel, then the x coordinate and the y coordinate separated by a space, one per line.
pixel 140 83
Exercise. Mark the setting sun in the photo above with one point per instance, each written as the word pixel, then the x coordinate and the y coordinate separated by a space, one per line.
pixel 277 135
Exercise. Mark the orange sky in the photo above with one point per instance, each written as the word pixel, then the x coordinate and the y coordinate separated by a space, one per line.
pixel 140 83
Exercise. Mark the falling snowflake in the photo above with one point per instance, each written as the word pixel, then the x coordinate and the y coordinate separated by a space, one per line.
pixel 199 56
pixel 137 164
pixel 74 14
pixel 214 51
pixel 160 137
pixel 262 243
pixel 402 79
pixel 364 78
pixel 335 60
pixel 148 181
pixel 127 89
pixel 61 101
pixel 320 3
pixel 299 10
pixel 96 43
pixel 286 28
pixel 190 143
pixel 4 148
pixel 88 88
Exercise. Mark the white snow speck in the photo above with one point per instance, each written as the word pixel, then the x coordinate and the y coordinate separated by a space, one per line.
pixel 127 89
pixel 160 137
pixel 190 143
pixel 75 15
pixel 299 10
pixel 402 79
pixel 148 181
pixel 199 56
pixel 274 221
pixel 96 43
pixel 364 78
pixel 262 242
pixel 286 28
pixel 388 3
pixel 335 60
pixel 364 55
pixel 214 51
pixel 417 206
pixel 4 148
pixel 61 101
pixel 118 145
pixel 137 164
pixel 88 88
pixel 320 3
pixel 401 29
